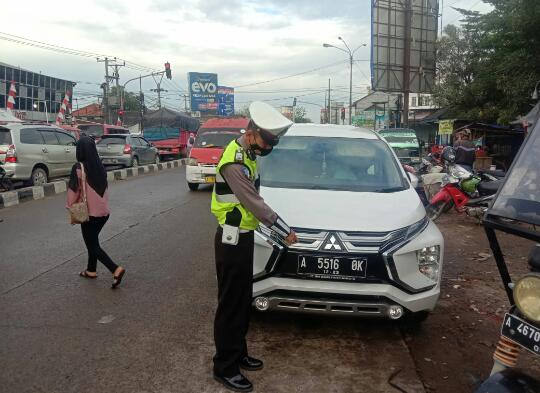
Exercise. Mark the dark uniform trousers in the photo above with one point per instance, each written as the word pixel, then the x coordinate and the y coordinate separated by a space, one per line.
pixel 234 266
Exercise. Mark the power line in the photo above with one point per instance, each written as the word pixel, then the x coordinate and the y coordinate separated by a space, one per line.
pixel 293 75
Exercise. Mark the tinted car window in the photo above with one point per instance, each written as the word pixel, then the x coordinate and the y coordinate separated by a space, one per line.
pixel 31 136
pixel 65 139
pixel 49 137
pixel 118 131
pixel 5 137
pixel 92 129
pixel 136 142
pixel 344 164
pixel 113 140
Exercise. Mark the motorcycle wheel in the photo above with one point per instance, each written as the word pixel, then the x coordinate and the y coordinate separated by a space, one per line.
pixel 434 210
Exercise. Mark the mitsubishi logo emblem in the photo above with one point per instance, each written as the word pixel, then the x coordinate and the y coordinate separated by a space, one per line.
pixel 332 243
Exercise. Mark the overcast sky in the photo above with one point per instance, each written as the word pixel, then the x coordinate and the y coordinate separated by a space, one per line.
pixel 244 42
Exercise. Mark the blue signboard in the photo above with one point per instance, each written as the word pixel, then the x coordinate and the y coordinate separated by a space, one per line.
pixel 225 99
pixel 203 91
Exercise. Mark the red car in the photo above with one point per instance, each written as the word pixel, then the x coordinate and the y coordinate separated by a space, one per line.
pixel 212 138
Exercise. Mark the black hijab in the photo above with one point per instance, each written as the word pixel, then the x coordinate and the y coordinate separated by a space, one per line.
pixel 95 173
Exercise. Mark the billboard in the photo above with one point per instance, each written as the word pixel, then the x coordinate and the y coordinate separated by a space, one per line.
pixel 225 100
pixel 203 92
pixel 371 119
pixel 399 27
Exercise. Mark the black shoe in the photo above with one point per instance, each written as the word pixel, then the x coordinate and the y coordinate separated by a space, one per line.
pixel 238 383
pixel 250 364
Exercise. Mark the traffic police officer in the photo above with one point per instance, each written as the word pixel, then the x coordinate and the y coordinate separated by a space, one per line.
pixel 239 208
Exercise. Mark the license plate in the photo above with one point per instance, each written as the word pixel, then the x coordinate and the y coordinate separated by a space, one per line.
pixel 521 332
pixel 329 267
pixel 109 161
pixel 210 179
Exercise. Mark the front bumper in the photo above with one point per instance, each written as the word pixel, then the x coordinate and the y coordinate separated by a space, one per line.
pixel 201 173
pixel 393 278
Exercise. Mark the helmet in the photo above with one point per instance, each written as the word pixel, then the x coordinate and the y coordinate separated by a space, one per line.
pixel 448 154
pixel 270 124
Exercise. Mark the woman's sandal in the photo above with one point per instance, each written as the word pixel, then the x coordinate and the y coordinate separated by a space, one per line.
pixel 118 278
pixel 85 274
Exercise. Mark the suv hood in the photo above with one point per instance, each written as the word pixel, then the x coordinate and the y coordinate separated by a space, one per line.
pixel 345 210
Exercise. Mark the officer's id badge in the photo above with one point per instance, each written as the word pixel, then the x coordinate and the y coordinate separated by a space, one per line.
pixel 239 156
pixel 246 172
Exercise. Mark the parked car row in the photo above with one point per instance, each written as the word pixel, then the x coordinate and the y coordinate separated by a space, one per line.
pixel 34 152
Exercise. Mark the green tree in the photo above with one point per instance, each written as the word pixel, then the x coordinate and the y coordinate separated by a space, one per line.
pixel 489 67
pixel 243 111
pixel 131 99
pixel 300 115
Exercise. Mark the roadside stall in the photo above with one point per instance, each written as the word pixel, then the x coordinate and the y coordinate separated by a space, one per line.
pixel 170 131
pixel 498 144
pixel 516 211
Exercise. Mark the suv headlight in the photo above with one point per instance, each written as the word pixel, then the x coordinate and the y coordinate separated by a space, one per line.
pixel 192 162
pixel 428 261
pixel 527 296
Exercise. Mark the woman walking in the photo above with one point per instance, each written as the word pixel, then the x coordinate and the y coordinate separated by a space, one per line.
pixel 94 179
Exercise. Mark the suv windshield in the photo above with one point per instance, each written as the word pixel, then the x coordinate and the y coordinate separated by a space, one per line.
pixel 92 129
pixel 321 163
pixel 215 138
pixel 115 140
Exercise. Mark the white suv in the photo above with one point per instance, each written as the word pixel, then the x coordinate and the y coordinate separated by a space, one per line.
pixel 365 244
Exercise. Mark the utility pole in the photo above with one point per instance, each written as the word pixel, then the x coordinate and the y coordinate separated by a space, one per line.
pixel 329 109
pixel 106 86
pixel 407 62
pixel 159 89
pixel 186 102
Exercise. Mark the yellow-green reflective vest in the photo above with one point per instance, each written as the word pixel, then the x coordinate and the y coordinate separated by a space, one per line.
pixel 225 205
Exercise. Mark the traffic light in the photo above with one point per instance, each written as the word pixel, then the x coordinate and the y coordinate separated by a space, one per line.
pixel 342 113
pixel 168 70
pixel 294 102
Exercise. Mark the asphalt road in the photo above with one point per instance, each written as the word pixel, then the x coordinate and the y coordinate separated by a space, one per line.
pixel 62 333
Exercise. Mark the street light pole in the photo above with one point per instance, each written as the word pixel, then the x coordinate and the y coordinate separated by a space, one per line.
pixel 351 61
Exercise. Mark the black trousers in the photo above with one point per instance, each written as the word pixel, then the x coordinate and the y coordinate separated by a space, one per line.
pixel 234 266
pixel 90 233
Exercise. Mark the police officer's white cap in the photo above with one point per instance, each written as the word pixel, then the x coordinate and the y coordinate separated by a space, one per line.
pixel 272 124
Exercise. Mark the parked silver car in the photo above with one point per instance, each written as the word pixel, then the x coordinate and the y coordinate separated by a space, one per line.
pixel 126 150
pixel 35 152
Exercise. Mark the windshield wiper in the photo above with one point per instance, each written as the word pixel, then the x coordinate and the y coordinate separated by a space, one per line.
pixel 390 189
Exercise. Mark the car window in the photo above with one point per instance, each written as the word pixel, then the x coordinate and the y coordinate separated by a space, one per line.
pixel 112 140
pixel 215 138
pixel 65 139
pixel 92 129
pixel 135 141
pixel 31 136
pixel 5 137
pixel 49 137
pixel 144 142
pixel 118 131
pixel 344 164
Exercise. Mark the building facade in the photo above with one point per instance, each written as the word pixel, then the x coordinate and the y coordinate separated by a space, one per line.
pixel 39 96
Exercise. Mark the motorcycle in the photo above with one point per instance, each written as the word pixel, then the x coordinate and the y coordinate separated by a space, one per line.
pixel 5 180
pixel 465 191
pixel 515 212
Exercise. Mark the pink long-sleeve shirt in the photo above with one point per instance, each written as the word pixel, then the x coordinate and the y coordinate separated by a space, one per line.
pixel 97 206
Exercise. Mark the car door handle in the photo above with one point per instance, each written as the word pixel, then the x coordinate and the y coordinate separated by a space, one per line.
pixel 68 150
pixel 44 150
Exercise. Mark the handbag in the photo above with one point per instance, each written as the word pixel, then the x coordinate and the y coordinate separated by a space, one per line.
pixel 78 212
